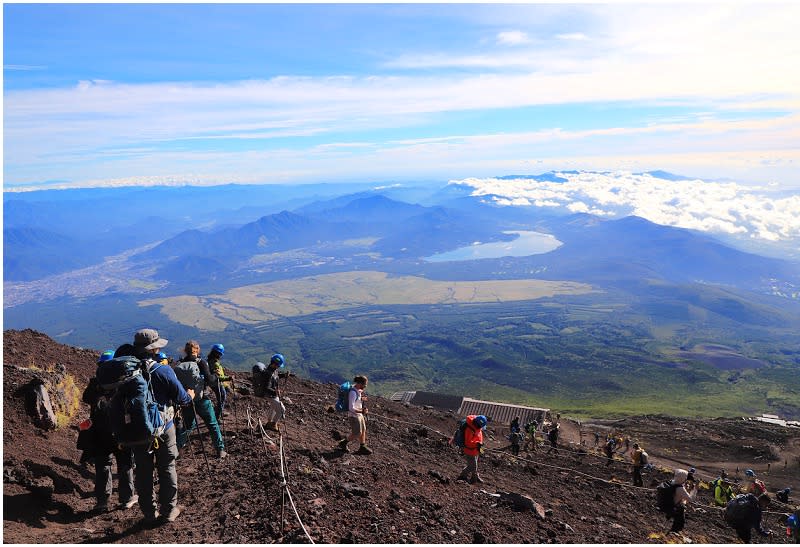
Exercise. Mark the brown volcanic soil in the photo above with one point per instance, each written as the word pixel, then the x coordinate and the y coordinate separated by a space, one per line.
pixel 404 492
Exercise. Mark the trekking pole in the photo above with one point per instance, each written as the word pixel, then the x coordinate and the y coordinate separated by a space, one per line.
pixel 220 390
pixel 235 405
pixel 202 444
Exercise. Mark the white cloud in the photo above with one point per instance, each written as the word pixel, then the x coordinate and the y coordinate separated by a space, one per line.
pixel 714 207
pixel 513 38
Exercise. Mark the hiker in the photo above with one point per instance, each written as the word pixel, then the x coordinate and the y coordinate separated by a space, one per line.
pixel 531 429
pixel 167 391
pixel 639 457
pixel 552 436
pixel 277 411
pixel 596 438
pixel 783 495
pixel 752 484
pixel 189 374
pixel 793 526
pixel 743 513
pixel 104 445
pixel 723 491
pixel 516 438
pixel 356 412
pixel 690 476
pixel 473 445
pixel 680 499
pixel 514 427
pixel 220 388
pixel 609 450
pixel 162 358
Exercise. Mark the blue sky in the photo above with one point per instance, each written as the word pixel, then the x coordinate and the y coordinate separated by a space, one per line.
pixel 116 94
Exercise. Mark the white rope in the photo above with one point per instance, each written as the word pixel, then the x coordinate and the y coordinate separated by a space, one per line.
pixel 285 485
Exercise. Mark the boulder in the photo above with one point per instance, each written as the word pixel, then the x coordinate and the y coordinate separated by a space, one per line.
pixel 38 405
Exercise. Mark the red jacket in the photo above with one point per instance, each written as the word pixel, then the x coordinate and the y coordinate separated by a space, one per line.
pixel 472 437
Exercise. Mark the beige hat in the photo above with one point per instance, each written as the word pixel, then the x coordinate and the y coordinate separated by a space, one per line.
pixel 148 339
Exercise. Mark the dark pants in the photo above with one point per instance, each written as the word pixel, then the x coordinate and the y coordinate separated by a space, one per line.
pixel 744 533
pixel 678 518
pixel 164 457
pixel 637 475
pixel 206 411
pixel 515 449
pixel 103 485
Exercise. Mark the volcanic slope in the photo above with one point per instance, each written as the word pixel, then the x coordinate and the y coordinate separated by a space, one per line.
pixel 404 492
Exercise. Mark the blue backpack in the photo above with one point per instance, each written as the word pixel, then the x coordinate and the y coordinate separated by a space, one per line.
pixel 134 416
pixel 342 401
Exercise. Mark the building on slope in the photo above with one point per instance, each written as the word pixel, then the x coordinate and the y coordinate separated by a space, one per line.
pixel 464 406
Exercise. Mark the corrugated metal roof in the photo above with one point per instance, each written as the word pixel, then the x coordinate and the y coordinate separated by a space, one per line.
pixel 501 412
pixel 437 400
pixel 403 396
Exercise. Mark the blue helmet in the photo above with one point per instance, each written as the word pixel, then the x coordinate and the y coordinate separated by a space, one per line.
pixel 219 348
pixel 106 356
pixel 162 356
pixel 749 473
pixel 277 359
pixel 480 421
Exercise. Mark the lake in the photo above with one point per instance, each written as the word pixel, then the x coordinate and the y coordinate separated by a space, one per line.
pixel 526 244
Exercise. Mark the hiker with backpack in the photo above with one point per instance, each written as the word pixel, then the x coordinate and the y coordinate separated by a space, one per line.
pixel 189 374
pixel 530 427
pixel 744 512
pixel 277 411
pixel 219 381
pixel 552 436
pixel 752 484
pixel 356 412
pixel 723 491
pixel 609 450
pixel 103 444
pixel 672 498
pixel 472 431
pixel 166 391
pixel 639 457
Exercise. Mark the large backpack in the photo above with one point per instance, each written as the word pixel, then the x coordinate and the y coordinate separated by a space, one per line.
pixel 643 458
pixel 260 380
pixel 739 508
pixel 342 400
pixel 134 416
pixel 458 435
pixel 189 376
pixel 665 497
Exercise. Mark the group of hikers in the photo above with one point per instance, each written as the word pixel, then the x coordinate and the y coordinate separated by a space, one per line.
pixel 144 409
pixel 139 383
pixel 742 511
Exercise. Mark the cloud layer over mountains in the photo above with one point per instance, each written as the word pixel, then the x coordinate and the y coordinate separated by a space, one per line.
pixel 716 207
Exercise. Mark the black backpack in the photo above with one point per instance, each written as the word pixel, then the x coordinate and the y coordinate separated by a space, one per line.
pixel 458 434
pixel 740 508
pixel 665 497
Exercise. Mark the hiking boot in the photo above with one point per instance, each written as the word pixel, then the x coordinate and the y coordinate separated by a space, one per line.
pixel 343 446
pixel 222 454
pixel 134 499
pixel 272 426
pixel 364 450
pixel 173 514
pixel 101 506
pixel 462 478
pixel 476 479
pixel 151 521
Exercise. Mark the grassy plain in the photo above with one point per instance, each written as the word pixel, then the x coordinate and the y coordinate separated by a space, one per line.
pixel 254 304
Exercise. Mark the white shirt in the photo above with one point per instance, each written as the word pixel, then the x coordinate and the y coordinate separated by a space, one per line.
pixel 354 403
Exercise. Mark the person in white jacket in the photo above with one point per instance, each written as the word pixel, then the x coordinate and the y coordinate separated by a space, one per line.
pixel 682 498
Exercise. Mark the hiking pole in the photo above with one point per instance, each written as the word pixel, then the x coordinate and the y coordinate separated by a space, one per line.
pixel 202 444
pixel 191 448
pixel 235 405
pixel 221 419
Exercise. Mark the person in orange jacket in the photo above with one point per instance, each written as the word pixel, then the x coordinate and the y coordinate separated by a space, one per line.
pixel 473 442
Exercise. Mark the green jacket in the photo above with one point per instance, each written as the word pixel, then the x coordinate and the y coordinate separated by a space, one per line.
pixel 722 494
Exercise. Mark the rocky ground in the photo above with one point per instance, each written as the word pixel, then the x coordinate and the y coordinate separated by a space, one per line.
pixel 404 492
